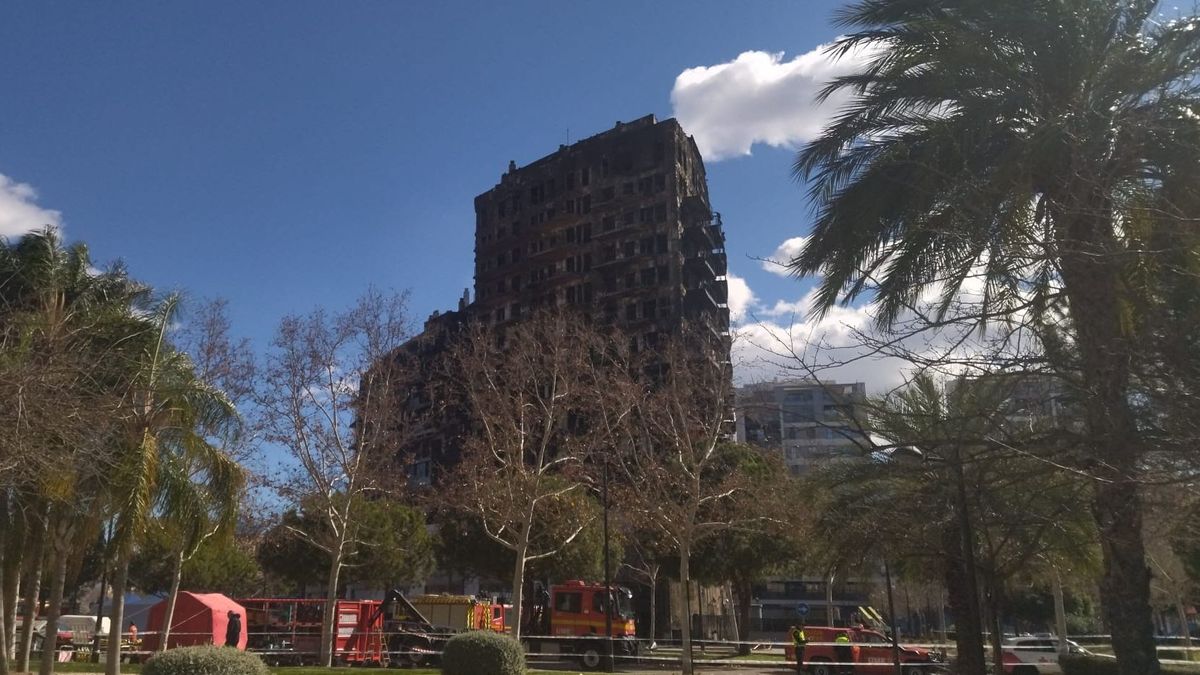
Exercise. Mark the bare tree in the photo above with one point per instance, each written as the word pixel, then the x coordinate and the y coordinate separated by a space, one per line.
pixel 525 389
pixel 669 412
pixel 329 393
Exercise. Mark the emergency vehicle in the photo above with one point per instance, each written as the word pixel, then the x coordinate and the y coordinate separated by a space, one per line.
pixel 870 651
pixel 1034 655
pixel 288 630
pixel 460 612
pixel 571 619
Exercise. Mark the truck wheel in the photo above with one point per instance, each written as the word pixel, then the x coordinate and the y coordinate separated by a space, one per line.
pixel 590 658
pixel 820 669
pixel 912 670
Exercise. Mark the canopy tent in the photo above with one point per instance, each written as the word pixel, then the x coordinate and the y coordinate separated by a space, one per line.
pixel 199 619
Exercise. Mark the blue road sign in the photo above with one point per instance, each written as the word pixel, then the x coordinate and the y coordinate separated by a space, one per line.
pixel 802 609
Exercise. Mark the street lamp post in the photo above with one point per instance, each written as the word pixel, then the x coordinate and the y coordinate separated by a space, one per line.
pixel 887 577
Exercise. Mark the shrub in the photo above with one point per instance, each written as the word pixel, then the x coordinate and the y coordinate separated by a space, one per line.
pixel 1075 664
pixel 483 653
pixel 205 660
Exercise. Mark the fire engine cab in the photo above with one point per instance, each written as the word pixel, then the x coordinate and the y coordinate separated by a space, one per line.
pixel 570 618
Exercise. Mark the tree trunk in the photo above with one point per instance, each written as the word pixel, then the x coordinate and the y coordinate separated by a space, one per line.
pixel 1125 585
pixel 964 603
pixel 744 591
pixel 33 591
pixel 1092 274
pixel 995 630
pixel 112 664
pixel 329 619
pixel 1060 611
pixel 684 581
pixel 172 596
pixel 58 578
pixel 518 584
pixel 4 555
pixel 12 550
pixel 654 609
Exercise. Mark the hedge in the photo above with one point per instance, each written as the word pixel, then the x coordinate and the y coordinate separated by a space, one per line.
pixel 483 653
pixel 205 660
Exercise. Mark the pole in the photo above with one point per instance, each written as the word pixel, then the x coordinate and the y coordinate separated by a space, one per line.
pixel 887 574
pixel 610 597
pixel 829 600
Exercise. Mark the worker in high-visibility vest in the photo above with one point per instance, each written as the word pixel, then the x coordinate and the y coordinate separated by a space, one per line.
pixel 843 652
pixel 799 640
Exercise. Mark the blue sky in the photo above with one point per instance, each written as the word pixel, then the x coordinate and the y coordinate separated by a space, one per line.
pixel 287 154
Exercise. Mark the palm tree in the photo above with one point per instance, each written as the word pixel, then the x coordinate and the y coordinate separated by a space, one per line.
pixel 63 326
pixel 164 446
pixel 1013 139
pixel 199 497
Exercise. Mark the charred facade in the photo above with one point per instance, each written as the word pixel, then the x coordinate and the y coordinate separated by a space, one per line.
pixel 618 225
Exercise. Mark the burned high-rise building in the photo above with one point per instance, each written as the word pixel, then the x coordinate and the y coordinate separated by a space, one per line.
pixel 618 224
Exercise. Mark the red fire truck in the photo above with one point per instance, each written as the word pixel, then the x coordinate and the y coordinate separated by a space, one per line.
pixel 460 612
pixel 570 619
pixel 288 630
pixel 870 651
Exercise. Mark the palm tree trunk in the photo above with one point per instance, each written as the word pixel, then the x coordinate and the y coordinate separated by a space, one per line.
pixel 112 664
pixel 1092 279
pixel 172 596
pixel 329 622
pixel 964 603
pixel 58 578
pixel 12 551
pixel 684 583
pixel 33 590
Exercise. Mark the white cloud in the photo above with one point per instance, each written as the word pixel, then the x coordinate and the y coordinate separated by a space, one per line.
pixel 741 298
pixel 776 263
pixel 760 98
pixel 18 211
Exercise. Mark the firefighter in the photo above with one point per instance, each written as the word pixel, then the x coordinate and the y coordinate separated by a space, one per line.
pixel 799 640
pixel 843 652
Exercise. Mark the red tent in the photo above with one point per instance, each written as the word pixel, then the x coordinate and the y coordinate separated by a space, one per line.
pixel 199 619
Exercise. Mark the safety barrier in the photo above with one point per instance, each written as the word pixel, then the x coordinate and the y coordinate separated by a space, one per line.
pixel 665 652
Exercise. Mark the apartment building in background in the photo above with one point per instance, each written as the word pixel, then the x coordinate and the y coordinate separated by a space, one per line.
pixel 807 421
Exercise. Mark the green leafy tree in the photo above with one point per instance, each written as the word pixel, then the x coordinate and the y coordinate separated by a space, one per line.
pixel 1011 142
pixel 743 557
pixel 959 489
pixel 218 565
pixel 462 544
pixel 392 546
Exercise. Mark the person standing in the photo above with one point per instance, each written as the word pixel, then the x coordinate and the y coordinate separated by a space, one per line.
pixel 799 641
pixel 843 652
pixel 233 630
